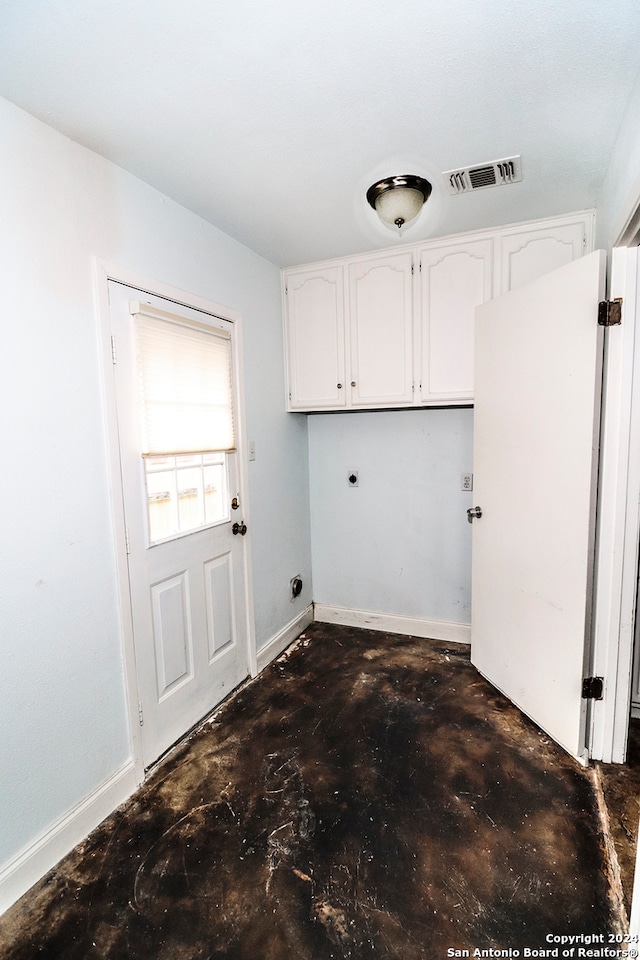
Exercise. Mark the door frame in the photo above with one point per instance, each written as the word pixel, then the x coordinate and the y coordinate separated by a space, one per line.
pixel 103 272
pixel 618 528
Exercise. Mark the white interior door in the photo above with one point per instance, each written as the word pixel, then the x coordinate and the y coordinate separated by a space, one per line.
pixel 187 578
pixel 537 399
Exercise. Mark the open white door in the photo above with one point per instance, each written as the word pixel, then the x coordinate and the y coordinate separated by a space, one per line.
pixel 537 390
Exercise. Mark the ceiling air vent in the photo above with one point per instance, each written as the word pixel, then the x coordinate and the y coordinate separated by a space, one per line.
pixel 485 175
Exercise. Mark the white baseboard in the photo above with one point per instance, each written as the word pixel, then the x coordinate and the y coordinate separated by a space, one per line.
pixel 391 623
pixel 274 647
pixel 58 840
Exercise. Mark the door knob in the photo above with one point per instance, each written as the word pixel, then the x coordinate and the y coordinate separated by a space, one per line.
pixel 474 512
pixel 239 528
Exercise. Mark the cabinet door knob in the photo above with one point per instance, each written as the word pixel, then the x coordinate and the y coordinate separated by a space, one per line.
pixel 353 383
pixel 339 386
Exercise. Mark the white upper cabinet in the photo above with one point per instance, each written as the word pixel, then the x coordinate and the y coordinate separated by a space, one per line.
pixel 373 331
pixel 314 302
pixel 454 280
pixel 381 331
pixel 526 253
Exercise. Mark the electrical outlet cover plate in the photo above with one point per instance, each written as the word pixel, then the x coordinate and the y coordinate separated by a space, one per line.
pixel 466 482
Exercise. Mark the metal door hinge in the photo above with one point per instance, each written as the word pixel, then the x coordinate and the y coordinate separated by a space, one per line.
pixel 140 715
pixel 610 312
pixel 113 350
pixel 127 541
pixel 592 688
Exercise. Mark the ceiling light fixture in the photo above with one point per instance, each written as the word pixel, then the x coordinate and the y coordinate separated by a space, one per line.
pixel 399 200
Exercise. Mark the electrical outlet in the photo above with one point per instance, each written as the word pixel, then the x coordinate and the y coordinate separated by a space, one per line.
pixel 466 482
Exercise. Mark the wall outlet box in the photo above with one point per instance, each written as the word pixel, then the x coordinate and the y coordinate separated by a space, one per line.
pixel 466 482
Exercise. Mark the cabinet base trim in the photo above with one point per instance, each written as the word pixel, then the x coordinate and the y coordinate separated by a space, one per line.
pixel 393 623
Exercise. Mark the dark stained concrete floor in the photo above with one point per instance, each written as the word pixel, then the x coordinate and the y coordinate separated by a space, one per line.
pixel 368 796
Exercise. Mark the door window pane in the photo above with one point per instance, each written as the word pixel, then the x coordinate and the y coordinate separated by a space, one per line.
pixel 216 495
pixel 185 493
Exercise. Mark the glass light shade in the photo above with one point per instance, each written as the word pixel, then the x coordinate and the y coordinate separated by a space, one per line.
pixel 400 204
pixel 398 200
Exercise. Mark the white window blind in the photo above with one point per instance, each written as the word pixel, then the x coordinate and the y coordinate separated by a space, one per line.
pixel 185 384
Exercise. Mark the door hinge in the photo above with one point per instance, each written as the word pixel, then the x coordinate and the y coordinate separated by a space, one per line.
pixel 127 541
pixel 113 350
pixel 610 312
pixel 592 688
pixel 411 269
pixel 140 715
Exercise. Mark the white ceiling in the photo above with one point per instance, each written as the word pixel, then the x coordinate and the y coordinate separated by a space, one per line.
pixel 270 118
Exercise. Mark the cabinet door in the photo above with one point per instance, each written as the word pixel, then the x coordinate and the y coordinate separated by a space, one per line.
pixel 454 280
pixel 315 339
pixel 381 319
pixel 528 254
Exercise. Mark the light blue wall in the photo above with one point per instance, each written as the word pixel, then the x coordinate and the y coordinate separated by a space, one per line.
pixel 620 192
pixel 399 542
pixel 62 696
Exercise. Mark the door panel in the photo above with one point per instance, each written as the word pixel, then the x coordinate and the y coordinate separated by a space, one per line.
pixel 219 596
pixel 381 315
pixel 315 338
pixel 538 382
pixel 528 254
pixel 454 280
pixel 171 632
pixel 188 592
